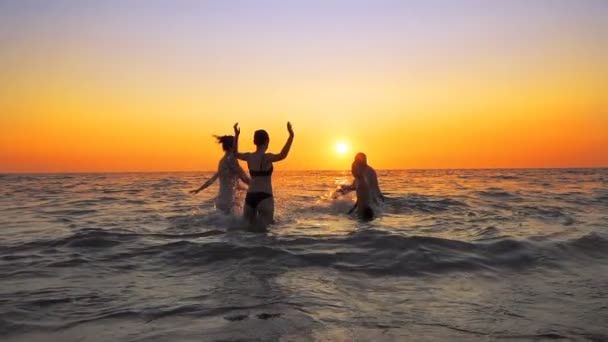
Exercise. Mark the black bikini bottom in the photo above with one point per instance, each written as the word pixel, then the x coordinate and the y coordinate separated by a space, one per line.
pixel 254 198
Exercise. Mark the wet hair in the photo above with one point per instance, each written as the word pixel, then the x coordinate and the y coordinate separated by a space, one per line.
pixel 260 137
pixel 227 141
pixel 361 158
pixel 356 169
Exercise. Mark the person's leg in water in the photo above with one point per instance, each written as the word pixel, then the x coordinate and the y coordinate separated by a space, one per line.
pixel 265 215
pixel 226 206
pixel 366 213
pixel 249 214
pixel 259 210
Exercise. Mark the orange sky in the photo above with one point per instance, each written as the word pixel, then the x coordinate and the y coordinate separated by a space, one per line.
pixel 110 88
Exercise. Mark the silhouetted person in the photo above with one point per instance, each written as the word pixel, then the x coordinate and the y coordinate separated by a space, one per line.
pixel 259 202
pixel 363 205
pixel 369 175
pixel 229 172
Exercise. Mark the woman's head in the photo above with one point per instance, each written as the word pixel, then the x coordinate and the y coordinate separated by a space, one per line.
pixel 361 158
pixel 227 141
pixel 261 138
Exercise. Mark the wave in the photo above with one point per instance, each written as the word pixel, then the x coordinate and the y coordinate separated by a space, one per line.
pixel 486 233
pixel 496 193
pixel 10 325
pixel 367 250
pixel 588 245
pixel 71 212
pixel 505 177
pixel 422 203
pixel 601 196
pixel 549 214
pixel 168 183
pixel 98 238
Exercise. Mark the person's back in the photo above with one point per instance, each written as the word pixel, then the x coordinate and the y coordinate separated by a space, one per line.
pixel 371 178
pixel 364 192
pixel 260 169
pixel 229 173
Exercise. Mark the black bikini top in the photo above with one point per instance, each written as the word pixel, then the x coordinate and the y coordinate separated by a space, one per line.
pixel 262 173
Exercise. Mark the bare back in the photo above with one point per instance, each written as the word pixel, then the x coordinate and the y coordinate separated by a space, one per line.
pixel 259 162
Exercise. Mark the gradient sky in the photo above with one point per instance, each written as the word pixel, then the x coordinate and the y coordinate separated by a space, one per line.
pixel 143 85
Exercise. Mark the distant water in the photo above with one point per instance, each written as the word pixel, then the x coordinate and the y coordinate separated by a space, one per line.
pixel 455 255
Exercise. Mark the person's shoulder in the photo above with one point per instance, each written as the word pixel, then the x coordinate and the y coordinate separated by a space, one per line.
pixel 229 157
pixel 228 160
pixel 222 162
pixel 269 155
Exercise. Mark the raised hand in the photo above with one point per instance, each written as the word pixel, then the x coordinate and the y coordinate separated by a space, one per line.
pixel 289 128
pixel 237 130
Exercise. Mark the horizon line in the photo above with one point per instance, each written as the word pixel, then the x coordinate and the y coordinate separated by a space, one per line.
pixel 303 170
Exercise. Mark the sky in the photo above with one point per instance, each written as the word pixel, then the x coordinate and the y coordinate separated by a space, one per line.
pixel 126 85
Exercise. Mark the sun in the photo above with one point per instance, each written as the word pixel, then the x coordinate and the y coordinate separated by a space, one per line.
pixel 341 148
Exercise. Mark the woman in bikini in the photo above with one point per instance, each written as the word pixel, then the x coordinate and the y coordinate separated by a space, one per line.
pixel 229 172
pixel 259 203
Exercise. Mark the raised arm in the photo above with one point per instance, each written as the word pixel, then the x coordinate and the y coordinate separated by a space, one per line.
pixel 237 132
pixel 206 184
pixel 285 151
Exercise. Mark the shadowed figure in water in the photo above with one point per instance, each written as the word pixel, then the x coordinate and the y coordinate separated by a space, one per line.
pixel 259 202
pixel 364 191
pixel 368 174
pixel 229 172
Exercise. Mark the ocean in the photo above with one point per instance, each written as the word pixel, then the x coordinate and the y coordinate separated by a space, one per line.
pixel 455 255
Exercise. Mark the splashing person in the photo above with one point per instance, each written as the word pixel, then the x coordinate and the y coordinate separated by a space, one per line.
pixel 229 172
pixel 363 205
pixel 370 177
pixel 259 201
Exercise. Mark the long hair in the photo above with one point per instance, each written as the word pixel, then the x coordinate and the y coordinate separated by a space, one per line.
pixel 356 169
pixel 227 141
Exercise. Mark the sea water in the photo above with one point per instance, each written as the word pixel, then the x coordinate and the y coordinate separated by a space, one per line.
pixel 453 255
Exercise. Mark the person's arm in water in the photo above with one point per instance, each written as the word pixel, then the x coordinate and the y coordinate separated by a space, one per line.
pixel 285 151
pixel 206 184
pixel 237 132
pixel 354 207
pixel 346 188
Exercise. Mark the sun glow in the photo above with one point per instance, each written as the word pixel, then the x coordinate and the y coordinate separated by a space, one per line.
pixel 341 148
pixel 365 77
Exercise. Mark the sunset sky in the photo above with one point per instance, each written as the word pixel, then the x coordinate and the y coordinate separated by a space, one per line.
pixel 143 85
